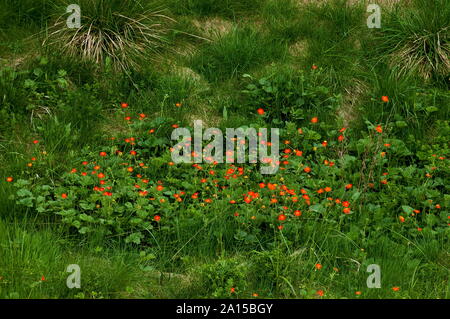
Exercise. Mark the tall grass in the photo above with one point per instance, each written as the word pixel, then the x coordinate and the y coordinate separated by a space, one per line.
pixel 114 34
pixel 417 37
pixel 24 13
pixel 237 52
pixel 334 32
pixel 283 19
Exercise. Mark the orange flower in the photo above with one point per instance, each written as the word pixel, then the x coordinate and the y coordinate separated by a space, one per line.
pixel 341 138
pixel 159 187
pixel 297 213
pixel 260 111
pixel 102 154
pixel 314 120
pixel 64 196
pixel 379 129
pixel 358 293
pixel 348 186
pixel 314 67
pixel 307 169
pixel 124 105
pixel 395 288
pixel 232 290
pixel 320 293
pixel 281 217
pixel 157 218
pixel 130 169
pixel 178 104
pixel 35 142
pixel 402 219
pixel 9 179
pixel 318 266
pixel 385 99
pixel 346 210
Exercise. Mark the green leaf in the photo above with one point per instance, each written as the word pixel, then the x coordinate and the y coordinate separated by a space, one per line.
pixel 356 196
pixel 134 238
pixel 407 209
pixel 24 193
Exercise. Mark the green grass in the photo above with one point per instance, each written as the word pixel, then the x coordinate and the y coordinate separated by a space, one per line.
pixel 283 19
pixel 228 8
pixel 418 39
pixel 238 52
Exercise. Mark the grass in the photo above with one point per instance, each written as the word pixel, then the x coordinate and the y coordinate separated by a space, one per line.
pixel 108 36
pixel 240 51
pixel 418 39
pixel 207 254
pixel 230 9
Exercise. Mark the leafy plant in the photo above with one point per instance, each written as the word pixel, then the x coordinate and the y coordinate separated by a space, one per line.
pixel 290 96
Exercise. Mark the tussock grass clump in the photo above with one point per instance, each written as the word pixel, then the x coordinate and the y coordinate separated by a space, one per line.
pixel 119 33
pixel 417 37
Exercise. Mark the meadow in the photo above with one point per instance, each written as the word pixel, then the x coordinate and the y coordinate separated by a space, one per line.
pixel 87 175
